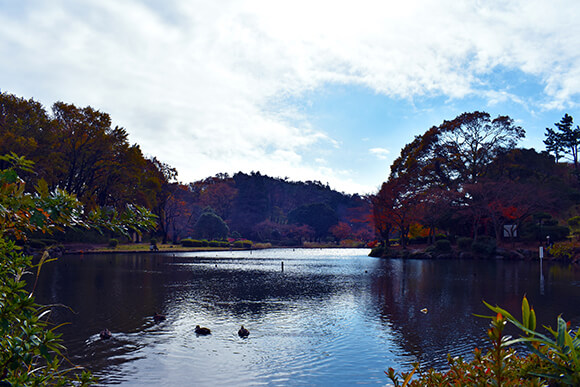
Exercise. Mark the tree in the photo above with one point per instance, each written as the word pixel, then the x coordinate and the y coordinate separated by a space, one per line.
pixel 457 151
pixel 319 216
pixel 471 141
pixel 382 221
pixel 24 129
pixel 31 352
pixel 564 140
pixel 395 204
pixel 211 226
pixel 341 231
pixel 77 149
pixel 163 178
pixel 218 193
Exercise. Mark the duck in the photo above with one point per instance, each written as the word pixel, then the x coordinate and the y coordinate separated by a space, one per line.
pixel 202 330
pixel 157 317
pixel 105 334
pixel 243 332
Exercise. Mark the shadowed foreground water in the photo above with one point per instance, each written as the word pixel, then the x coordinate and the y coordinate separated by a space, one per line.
pixel 331 317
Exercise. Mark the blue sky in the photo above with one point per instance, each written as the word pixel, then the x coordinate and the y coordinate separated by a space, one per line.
pixel 309 90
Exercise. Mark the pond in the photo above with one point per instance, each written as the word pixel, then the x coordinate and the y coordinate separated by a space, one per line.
pixel 316 316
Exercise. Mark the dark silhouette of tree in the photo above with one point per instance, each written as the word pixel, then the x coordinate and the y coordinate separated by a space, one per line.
pixel 564 140
pixel 210 225
pixel 395 204
pixel 319 216
pixel 427 180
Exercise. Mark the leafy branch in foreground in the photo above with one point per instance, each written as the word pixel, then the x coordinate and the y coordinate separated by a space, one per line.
pixel 559 354
pixel 31 352
pixel 500 366
pixel 552 359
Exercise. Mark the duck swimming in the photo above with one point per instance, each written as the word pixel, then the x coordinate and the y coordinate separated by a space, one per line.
pixel 243 332
pixel 105 334
pixel 202 330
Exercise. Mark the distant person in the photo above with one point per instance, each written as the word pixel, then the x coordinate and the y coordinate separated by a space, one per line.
pixel 153 246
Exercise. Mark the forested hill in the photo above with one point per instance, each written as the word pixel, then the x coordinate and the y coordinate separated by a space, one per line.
pixel 78 149
pixel 268 209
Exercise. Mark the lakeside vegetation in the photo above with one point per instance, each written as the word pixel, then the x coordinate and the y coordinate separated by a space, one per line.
pixel 461 188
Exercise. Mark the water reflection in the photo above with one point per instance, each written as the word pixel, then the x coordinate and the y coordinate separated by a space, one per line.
pixel 331 317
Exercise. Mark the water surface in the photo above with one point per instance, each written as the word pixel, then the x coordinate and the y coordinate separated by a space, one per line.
pixel 328 317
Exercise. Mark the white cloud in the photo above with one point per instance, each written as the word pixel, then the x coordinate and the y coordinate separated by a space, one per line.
pixel 381 153
pixel 202 85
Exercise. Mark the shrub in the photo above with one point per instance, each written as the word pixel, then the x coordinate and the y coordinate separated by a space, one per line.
pixel 556 233
pixel 418 240
pixel 464 243
pixel 244 243
pixel 378 251
pixel 187 242
pixel 484 245
pixel 562 250
pixel 442 246
pixel 214 243
pixel 113 242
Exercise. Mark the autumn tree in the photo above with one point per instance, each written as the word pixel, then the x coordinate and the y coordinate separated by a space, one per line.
pixel 25 128
pixel 434 209
pixel 395 204
pixel 457 151
pixel 219 193
pixel 341 231
pixel 438 164
pixel 383 223
pixel 78 150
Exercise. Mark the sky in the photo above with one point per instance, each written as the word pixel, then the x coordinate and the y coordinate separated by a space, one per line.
pixel 318 90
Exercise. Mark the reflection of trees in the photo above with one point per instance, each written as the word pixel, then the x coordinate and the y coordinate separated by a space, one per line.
pixel 453 291
pixel 122 292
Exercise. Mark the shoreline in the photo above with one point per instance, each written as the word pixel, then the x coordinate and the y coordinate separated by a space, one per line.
pixel 88 249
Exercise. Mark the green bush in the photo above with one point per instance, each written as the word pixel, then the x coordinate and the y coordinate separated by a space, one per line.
pixel 556 233
pixel 243 244
pixel 562 250
pixel 419 240
pixel 204 243
pixel 214 243
pixel 187 242
pixel 484 245
pixel 113 242
pixel 379 251
pixel 464 243
pixel 443 246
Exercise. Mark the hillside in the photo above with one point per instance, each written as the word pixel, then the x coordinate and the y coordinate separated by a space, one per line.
pixel 267 209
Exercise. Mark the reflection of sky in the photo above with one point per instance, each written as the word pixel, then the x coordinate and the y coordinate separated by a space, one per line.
pixel 333 317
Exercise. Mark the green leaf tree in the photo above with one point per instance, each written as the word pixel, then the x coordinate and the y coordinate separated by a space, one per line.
pixel 564 140
pixel 31 352
pixel 210 225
